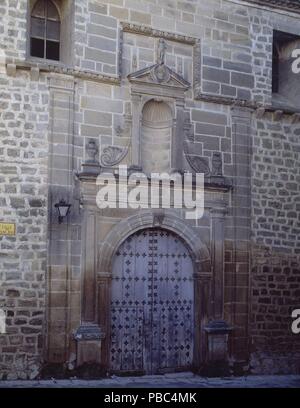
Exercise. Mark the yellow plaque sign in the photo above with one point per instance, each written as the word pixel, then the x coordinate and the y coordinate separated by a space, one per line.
pixel 7 229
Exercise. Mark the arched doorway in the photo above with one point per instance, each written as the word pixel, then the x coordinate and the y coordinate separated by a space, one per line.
pixel 152 304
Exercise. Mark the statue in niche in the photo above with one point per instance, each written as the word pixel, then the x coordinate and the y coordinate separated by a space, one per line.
pixel 161 51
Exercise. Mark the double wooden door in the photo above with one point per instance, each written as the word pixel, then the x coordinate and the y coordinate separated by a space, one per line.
pixel 152 304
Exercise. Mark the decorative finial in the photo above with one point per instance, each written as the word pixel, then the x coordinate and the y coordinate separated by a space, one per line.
pixel 92 151
pixel 217 164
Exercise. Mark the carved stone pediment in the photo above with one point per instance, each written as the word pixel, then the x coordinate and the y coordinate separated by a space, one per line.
pixel 159 74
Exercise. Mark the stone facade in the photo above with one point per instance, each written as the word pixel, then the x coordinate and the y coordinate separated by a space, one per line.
pixel 24 163
pixel 217 89
pixel 275 262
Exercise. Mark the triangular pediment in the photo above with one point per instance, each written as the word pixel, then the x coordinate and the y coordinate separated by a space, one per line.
pixel 159 74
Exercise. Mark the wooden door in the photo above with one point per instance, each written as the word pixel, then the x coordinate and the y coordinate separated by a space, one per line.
pixel 152 304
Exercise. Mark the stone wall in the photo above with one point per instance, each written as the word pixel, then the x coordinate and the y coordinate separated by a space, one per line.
pixel 96 37
pixel 276 237
pixel 13 32
pixel 24 115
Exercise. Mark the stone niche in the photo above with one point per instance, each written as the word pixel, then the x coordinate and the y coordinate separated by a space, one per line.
pixel 158 101
pixel 157 123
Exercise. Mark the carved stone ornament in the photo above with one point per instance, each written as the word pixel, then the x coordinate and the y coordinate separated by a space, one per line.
pixel 160 73
pixel 158 219
pixel 91 151
pixel 113 155
pixel 198 164
pixel 119 131
pixel 134 63
pixel 217 164
pixel 197 68
pixel 188 130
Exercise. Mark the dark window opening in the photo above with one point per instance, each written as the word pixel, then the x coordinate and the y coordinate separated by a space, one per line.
pixel 52 50
pixel 45 31
pixel 275 69
pixel 281 42
pixel 37 47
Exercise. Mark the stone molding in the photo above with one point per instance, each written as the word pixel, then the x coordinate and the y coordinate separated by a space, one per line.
pixel 43 66
pixel 290 5
pixel 149 219
pixel 36 67
pixel 152 32
pixel 149 76
pixel 89 333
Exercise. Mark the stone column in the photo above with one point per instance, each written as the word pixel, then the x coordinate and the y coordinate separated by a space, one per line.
pixel 238 293
pixel 178 137
pixel 202 291
pixel 136 131
pixel 89 334
pixel 89 269
pixel 61 186
pixel 218 216
pixel 103 288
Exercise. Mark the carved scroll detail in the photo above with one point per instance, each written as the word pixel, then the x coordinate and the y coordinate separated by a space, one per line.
pixel 113 155
pixel 199 164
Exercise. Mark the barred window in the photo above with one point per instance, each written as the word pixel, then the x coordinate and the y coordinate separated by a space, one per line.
pixel 45 31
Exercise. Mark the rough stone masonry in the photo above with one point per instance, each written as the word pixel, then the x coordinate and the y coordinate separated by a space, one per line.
pixel 213 110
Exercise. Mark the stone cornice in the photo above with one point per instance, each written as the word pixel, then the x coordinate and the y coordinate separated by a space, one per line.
pixel 222 100
pixel 152 32
pixel 41 66
pixel 36 67
pixel 289 5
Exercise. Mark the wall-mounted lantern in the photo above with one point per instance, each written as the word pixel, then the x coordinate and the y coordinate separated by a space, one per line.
pixel 63 210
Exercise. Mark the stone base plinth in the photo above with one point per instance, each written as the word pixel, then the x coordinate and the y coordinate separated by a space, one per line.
pixel 89 339
pixel 217 348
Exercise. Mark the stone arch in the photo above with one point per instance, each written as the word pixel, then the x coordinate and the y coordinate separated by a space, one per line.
pixel 57 3
pixel 151 219
pixel 156 111
pixel 168 101
pixel 66 10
